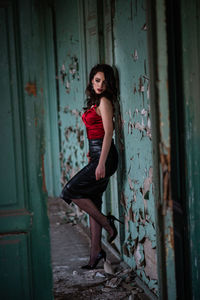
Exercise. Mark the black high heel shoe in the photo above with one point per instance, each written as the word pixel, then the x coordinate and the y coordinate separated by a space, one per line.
pixel 111 220
pixel 102 254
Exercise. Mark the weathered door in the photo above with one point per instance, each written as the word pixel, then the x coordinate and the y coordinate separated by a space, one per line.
pixel 25 271
pixel 183 27
pixel 190 79
pixel 178 172
pixel 158 62
pixel 174 31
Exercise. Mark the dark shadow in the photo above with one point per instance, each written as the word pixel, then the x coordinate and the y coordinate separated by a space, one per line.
pixel 120 144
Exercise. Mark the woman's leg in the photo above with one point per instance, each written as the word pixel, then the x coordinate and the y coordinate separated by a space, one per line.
pixel 89 207
pixel 95 231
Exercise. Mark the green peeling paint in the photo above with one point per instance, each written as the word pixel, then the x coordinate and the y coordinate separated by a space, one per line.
pixel 131 61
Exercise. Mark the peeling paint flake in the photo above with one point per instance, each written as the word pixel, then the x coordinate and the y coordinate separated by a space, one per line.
pixel 166 169
pixel 69 74
pixel 134 89
pixel 131 216
pixel 139 256
pixel 125 250
pixel 148 91
pixel 141 85
pixel 144 27
pixel 75 112
pixel 135 55
pixel 67 86
pixel 139 126
pixel 31 89
pixel 144 112
pixel 141 233
pixel 151 260
pixel 123 200
pixel 130 184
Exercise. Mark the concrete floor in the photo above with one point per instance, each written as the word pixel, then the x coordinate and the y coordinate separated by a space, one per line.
pixel 70 250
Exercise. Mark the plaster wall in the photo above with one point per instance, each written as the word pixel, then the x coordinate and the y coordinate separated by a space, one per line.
pixel 137 198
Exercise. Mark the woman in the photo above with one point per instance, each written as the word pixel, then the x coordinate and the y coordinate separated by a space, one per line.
pixel 85 189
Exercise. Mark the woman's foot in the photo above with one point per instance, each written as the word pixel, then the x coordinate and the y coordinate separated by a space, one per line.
pixel 101 254
pixel 111 220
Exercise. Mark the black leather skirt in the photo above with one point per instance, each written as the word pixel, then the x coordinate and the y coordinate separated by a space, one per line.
pixel 84 183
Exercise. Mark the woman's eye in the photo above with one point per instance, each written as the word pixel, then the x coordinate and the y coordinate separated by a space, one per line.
pixel 97 80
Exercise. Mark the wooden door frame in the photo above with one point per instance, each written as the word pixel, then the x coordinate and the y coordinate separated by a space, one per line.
pixel 158 60
pixel 190 76
pixel 189 83
pixel 52 133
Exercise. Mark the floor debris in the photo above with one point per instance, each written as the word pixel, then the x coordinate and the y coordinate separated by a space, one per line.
pixel 108 268
pixel 70 250
pixel 114 282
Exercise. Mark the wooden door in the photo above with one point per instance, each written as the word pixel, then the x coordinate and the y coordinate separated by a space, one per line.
pixel 175 78
pixel 177 151
pixel 190 60
pixel 25 271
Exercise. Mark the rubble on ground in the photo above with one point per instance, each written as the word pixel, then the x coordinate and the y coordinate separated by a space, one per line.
pixel 70 250
pixel 121 285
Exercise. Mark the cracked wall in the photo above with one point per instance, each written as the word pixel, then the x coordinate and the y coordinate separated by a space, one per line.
pixel 137 199
pixel 71 95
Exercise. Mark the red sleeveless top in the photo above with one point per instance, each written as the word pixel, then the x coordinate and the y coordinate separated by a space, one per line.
pixel 93 123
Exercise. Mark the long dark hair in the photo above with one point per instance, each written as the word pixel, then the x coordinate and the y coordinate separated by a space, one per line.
pixel 111 90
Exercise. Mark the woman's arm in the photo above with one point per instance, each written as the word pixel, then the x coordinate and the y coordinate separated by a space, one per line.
pixel 106 110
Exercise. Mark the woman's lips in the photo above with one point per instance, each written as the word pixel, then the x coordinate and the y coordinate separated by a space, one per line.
pixel 100 90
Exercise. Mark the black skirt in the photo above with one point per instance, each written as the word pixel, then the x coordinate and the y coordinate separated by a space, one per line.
pixel 84 183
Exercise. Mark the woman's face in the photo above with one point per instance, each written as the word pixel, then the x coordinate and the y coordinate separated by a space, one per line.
pixel 98 82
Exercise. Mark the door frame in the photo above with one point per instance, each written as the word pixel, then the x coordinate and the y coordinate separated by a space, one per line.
pixel 158 65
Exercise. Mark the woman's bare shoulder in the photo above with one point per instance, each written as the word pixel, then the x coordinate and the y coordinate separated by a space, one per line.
pixel 105 101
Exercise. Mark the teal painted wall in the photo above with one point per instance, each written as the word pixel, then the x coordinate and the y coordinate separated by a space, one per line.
pixel 137 199
pixel 71 84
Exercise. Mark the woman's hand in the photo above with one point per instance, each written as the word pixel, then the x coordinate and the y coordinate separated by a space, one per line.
pixel 88 157
pixel 100 171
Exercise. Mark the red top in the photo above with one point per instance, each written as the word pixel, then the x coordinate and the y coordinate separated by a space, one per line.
pixel 93 123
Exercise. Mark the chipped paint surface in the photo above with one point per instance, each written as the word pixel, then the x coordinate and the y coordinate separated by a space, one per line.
pixel 72 156
pixel 69 73
pixel 137 198
pixel 31 89
pixel 71 92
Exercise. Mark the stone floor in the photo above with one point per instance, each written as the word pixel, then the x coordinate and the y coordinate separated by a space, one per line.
pixel 70 250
